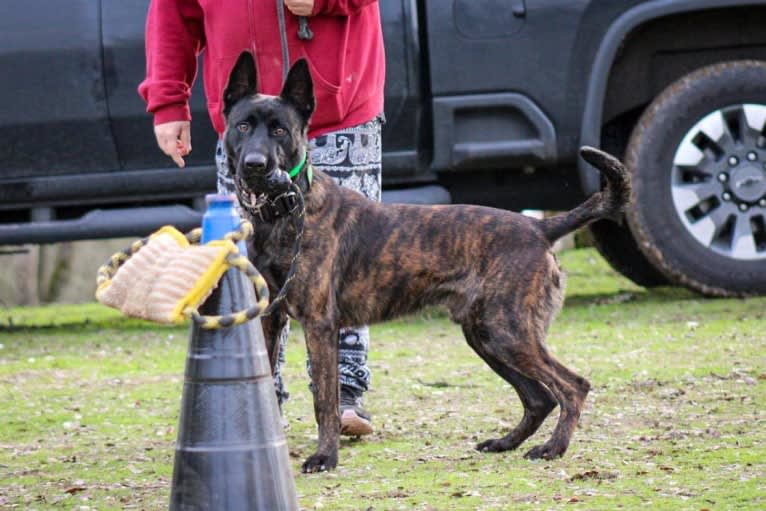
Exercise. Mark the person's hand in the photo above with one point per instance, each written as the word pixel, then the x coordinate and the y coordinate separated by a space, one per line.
pixel 300 7
pixel 174 138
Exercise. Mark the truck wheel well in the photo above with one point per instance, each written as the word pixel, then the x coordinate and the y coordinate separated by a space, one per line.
pixel 660 51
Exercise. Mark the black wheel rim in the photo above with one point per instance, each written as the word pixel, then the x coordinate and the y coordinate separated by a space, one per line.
pixel 718 181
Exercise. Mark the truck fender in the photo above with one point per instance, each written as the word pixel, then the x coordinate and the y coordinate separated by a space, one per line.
pixel 590 130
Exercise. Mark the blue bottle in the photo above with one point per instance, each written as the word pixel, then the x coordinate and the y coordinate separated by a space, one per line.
pixel 220 219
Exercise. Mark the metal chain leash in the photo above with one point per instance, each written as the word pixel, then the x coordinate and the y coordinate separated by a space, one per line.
pixel 298 218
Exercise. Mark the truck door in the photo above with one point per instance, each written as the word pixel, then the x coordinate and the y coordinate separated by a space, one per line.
pixel 125 65
pixel 53 113
pixel 487 79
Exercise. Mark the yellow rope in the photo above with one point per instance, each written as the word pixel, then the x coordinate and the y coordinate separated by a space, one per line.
pixel 237 318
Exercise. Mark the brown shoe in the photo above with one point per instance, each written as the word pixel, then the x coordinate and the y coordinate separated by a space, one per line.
pixel 354 420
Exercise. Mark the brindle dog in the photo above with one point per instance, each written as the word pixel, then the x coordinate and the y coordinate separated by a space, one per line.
pixel 363 262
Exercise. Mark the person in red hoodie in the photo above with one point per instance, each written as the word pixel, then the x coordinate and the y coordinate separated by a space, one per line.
pixel 347 64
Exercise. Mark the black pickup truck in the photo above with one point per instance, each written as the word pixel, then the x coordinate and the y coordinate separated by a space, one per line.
pixel 487 102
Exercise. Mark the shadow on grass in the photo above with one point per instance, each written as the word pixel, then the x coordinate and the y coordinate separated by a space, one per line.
pixel 83 317
pixel 647 296
pixel 84 326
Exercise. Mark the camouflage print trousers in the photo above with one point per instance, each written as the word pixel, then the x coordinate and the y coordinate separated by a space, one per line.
pixel 351 156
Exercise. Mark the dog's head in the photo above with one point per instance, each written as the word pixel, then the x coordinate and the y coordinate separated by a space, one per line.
pixel 266 136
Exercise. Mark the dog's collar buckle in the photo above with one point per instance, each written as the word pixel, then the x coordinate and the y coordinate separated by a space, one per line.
pixel 283 204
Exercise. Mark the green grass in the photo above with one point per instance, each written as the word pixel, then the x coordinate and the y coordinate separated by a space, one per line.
pixel 676 420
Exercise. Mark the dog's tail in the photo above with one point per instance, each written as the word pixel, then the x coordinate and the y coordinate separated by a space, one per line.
pixel 608 203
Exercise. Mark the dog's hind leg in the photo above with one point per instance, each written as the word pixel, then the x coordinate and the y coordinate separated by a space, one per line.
pixel 570 391
pixel 517 330
pixel 537 400
pixel 516 351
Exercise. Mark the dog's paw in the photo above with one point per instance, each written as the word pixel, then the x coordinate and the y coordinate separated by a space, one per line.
pixel 547 451
pixel 497 445
pixel 319 463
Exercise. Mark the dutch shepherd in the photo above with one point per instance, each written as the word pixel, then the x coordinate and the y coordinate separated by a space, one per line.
pixel 363 262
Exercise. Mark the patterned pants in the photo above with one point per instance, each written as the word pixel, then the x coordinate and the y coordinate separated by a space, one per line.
pixel 352 157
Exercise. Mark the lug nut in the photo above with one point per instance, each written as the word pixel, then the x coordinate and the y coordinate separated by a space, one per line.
pixel 726 196
pixel 743 207
pixel 751 156
pixel 733 161
pixel 723 177
pixel 762 203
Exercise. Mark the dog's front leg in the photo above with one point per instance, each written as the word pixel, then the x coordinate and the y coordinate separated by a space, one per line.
pixel 322 346
pixel 272 325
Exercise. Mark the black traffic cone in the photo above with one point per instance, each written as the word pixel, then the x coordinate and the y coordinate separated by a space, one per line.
pixel 231 452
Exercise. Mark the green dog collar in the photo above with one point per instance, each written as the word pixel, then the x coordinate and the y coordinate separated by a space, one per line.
pixel 297 169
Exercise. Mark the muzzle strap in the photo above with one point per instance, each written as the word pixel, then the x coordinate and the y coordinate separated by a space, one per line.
pixel 284 204
pixel 281 205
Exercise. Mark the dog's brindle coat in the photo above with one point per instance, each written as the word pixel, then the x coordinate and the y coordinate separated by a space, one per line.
pixel 363 262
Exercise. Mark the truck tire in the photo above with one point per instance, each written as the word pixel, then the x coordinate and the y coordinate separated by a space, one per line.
pixel 698 156
pixel 616 244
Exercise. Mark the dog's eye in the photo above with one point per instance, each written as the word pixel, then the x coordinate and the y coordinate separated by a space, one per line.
pixel 243 127
pixel 279 132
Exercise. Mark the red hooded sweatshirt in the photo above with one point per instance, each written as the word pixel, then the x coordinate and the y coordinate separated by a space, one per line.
pixel 345 56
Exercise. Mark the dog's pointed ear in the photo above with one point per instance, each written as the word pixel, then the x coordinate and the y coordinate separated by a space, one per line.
pixel 242 82
pixel 298 89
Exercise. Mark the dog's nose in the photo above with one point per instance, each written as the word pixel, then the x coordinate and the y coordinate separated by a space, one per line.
pixel 255 162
